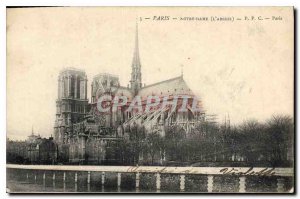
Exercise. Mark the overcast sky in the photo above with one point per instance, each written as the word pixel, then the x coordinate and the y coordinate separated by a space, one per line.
pixel 240 68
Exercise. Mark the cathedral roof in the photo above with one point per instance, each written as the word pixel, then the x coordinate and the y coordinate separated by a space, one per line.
pixel 174 86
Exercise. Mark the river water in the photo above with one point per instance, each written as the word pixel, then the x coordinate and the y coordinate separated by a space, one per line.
pixel 29 181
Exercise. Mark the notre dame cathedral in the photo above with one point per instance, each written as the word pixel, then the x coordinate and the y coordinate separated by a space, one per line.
pixel 85 135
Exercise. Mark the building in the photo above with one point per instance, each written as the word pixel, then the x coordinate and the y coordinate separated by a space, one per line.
pixel 85 135
pixel 33 138
pixel 34 150
pixel 40 150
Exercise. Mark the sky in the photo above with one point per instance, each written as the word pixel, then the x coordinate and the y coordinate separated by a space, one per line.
pixel 243 69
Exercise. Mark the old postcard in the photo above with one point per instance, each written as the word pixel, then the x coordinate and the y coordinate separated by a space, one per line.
pixel 150 100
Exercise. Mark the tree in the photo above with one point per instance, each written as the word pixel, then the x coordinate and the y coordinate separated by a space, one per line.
pixel 249 140
pixel 279 139
pixel 174 138
pixel 153 145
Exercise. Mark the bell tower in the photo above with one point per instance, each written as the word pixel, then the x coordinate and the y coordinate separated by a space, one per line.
pixel 72 102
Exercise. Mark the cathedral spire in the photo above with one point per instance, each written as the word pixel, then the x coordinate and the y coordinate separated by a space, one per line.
pixel 136 55
pixel 136 75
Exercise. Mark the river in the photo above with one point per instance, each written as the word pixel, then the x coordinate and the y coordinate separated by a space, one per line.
pixel 30 181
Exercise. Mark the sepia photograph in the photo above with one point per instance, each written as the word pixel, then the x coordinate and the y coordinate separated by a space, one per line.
pixel 150 100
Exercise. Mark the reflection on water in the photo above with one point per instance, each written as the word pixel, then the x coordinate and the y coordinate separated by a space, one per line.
pixel 25 186
pixel 59 181
pixel 49 181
